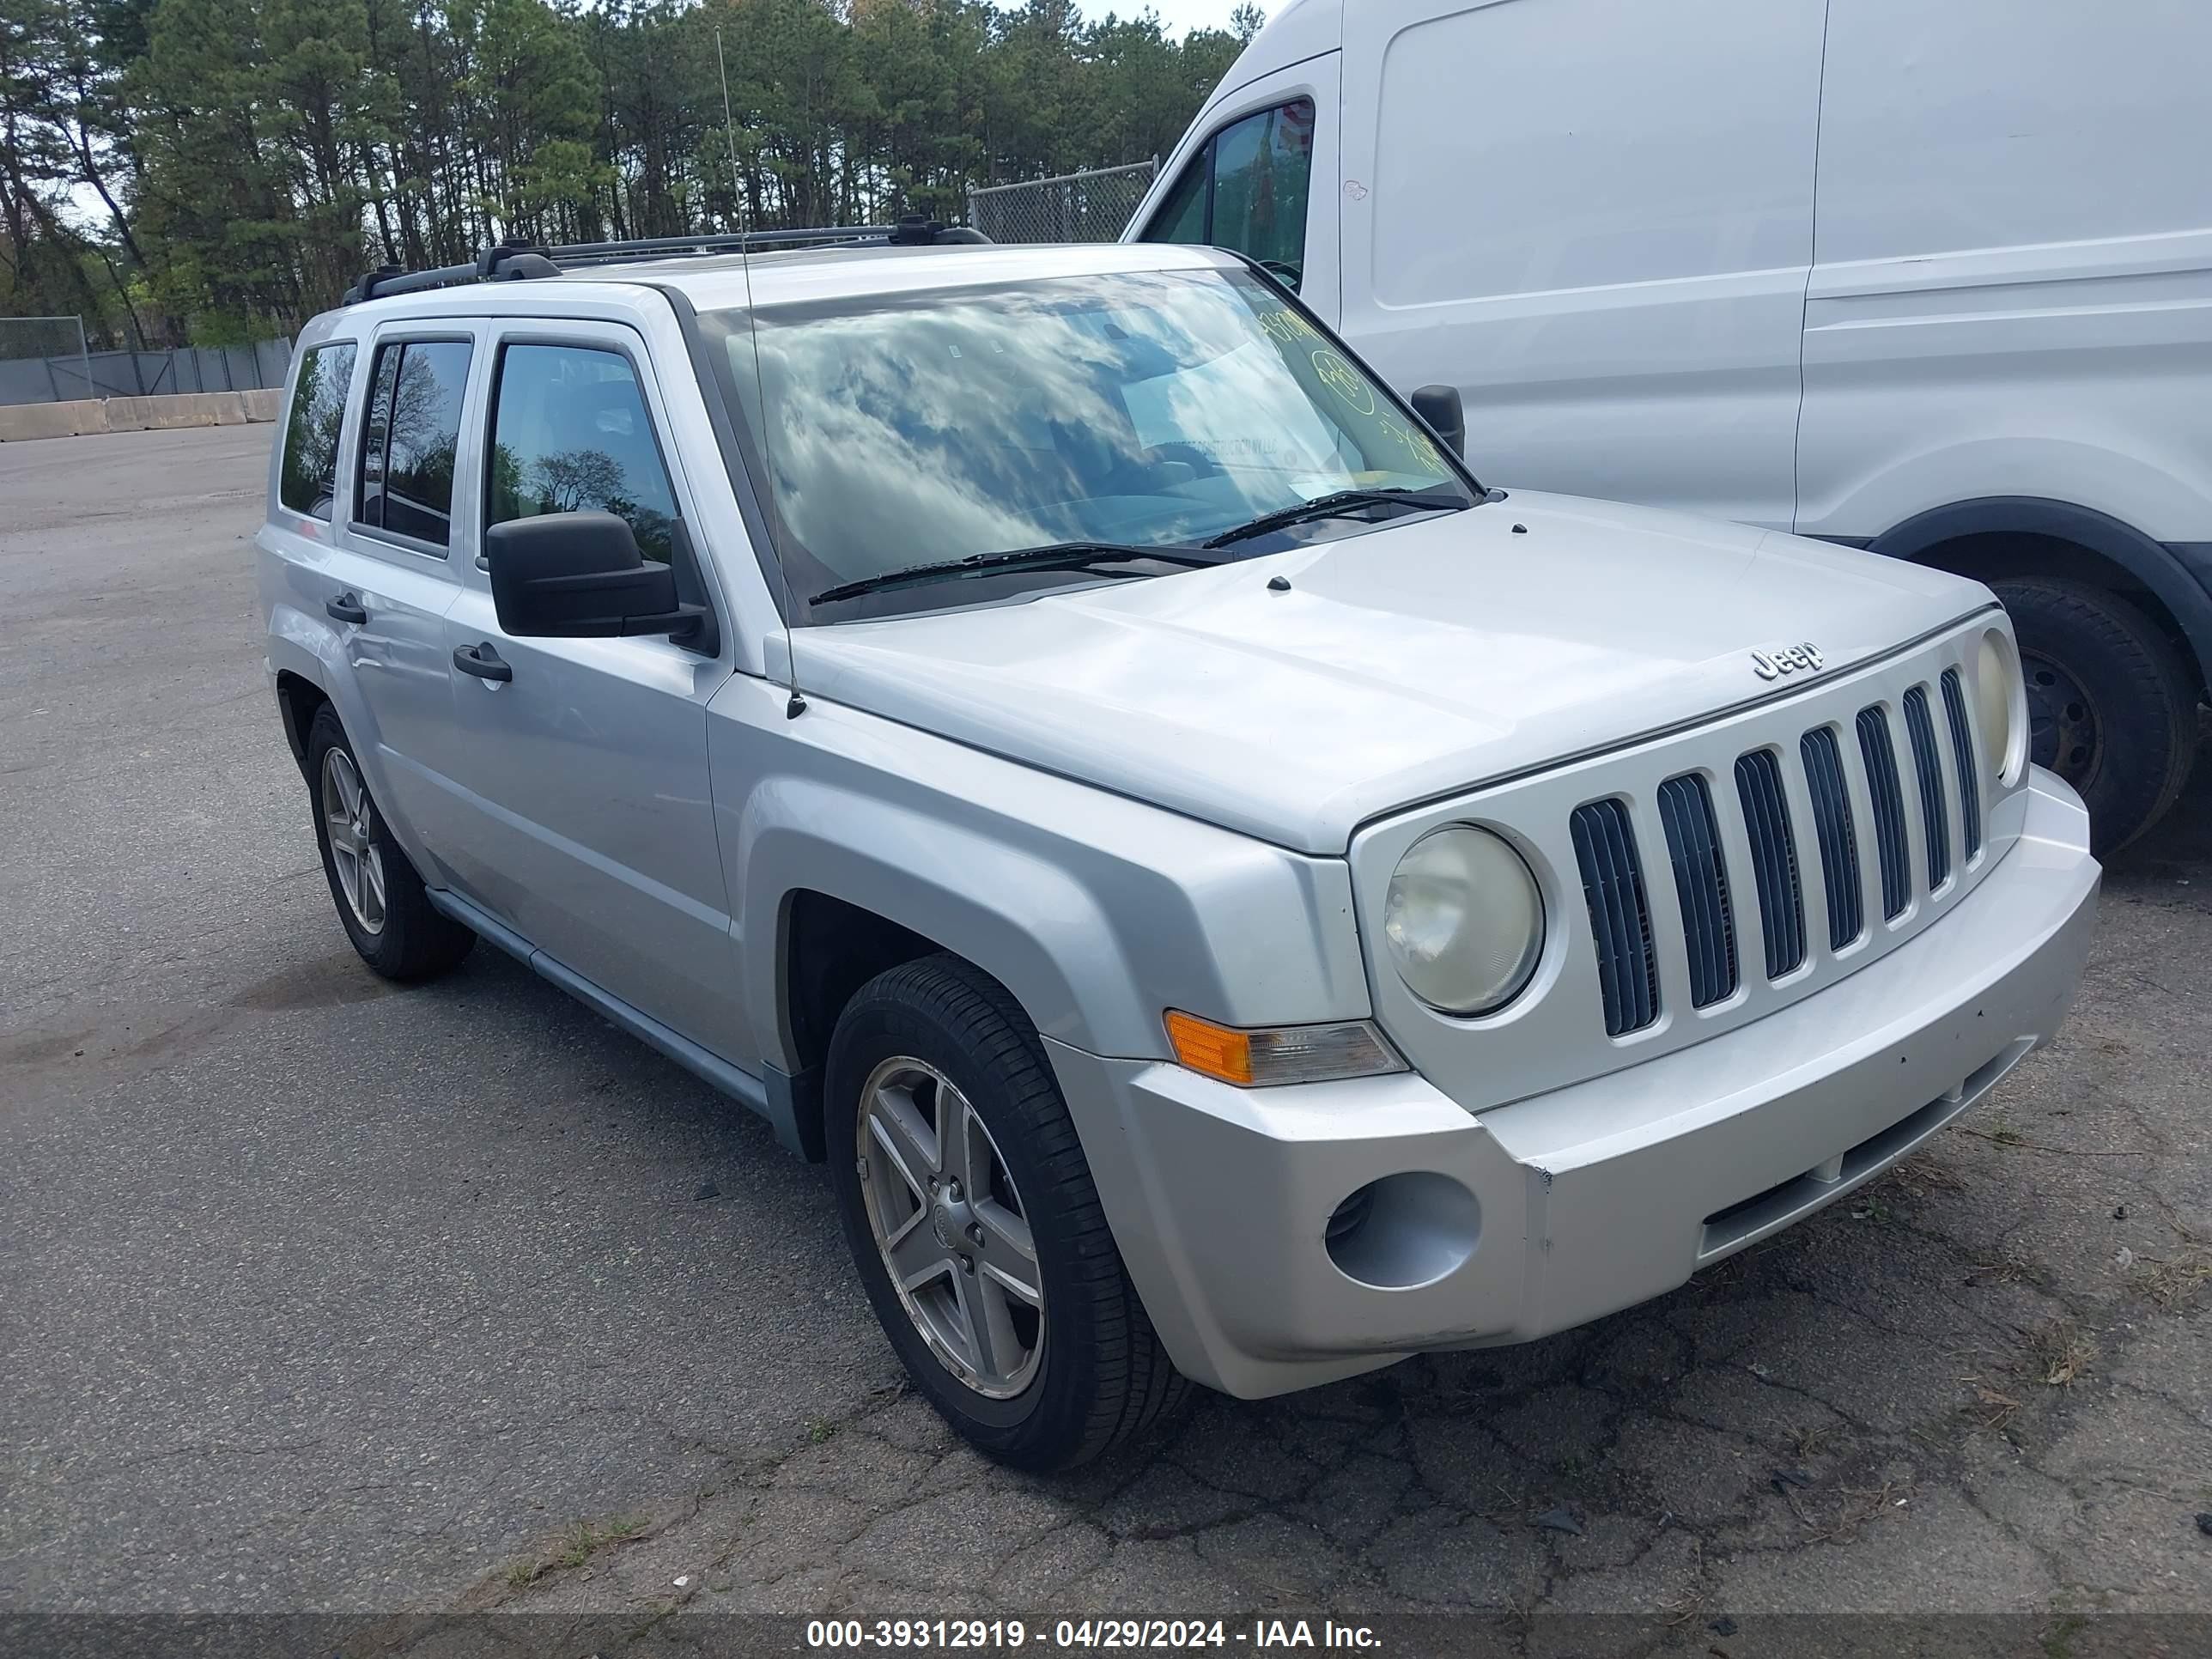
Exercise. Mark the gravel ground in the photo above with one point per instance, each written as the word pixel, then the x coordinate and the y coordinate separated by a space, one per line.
pixel 318 1295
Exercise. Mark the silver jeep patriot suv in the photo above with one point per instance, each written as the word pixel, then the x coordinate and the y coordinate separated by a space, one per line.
pixel 1230 896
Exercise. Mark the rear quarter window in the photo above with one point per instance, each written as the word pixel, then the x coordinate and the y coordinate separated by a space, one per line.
pixel 308 481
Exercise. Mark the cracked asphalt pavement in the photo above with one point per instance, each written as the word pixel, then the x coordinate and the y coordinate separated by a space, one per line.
pixel 316 1294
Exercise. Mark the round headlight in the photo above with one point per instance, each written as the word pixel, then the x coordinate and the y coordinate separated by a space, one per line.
pixel 1464 920
pixel 1997 696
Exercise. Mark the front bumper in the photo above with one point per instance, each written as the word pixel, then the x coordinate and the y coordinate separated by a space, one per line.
pixel 1532 1218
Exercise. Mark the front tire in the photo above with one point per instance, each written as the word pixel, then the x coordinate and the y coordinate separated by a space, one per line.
pixel 379 898
pixel 2112 707
pixel 971 1216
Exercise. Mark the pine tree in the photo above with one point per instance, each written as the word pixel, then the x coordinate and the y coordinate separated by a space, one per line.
pixel 231 166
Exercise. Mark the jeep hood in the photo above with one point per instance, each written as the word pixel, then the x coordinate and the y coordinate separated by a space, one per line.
pixel 1421 659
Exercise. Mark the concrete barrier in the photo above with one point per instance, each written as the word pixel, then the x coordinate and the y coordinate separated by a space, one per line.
pixel 95 414
pixel 51 420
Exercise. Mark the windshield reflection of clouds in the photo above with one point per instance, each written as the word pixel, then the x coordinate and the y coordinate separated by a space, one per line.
pixel 1146 408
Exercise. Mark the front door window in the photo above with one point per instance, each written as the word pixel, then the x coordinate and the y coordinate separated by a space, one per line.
pixel 1246 190
pixel 569 433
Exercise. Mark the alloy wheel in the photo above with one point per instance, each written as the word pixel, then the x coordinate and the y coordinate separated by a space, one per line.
pixel 950 1225
pixel 349 820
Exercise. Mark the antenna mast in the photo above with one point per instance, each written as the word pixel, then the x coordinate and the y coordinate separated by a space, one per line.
pixel 795 704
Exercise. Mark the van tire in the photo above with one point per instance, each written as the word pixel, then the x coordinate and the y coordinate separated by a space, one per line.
pixel 413 940
pixel 1101 1377
pixel 2112 709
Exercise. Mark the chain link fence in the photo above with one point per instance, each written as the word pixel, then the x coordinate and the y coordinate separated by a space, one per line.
pixel 45 359
pixel 1076 207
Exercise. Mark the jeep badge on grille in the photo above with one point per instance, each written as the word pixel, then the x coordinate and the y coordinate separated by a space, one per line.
pixel 1773 665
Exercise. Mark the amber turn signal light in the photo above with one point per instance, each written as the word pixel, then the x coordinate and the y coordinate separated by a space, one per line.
pixel 1265 1056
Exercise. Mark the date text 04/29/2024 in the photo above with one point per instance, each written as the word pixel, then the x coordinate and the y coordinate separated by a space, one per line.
pixel 1085 1633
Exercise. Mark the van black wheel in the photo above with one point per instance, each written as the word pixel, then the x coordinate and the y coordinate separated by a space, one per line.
pixel 971 1216
pixel 2112 707
pixel 379 897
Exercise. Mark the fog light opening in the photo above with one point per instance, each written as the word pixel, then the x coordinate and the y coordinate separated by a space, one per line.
pixel 1348 1217
pixel 1403 1232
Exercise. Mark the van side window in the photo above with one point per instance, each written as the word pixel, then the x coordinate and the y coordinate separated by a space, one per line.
pixel 412 429
pixel 1181 217
pixel 309 481
pixel 570 434
pixel 1247 190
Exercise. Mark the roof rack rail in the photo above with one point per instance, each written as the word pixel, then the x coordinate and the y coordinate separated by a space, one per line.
pixel 516 262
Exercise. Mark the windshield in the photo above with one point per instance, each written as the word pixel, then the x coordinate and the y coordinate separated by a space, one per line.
pixel 1148 409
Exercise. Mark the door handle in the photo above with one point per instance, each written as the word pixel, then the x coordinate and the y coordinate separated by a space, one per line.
pixel 346 608
pixel 482 661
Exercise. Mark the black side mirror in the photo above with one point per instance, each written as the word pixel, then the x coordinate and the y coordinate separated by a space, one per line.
pixel 1440 406
pixel 579 576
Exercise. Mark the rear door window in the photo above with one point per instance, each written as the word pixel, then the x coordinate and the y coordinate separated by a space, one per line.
pixel 410 435
pixel 1246 190
pixel 570 434
pixel 308 480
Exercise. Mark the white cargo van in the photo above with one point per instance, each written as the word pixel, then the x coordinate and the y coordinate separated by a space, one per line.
pixel 1934 279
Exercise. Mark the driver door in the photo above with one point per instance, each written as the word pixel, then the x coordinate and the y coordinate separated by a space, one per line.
pixel 591 823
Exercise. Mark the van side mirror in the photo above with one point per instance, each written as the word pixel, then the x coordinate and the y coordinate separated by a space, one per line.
pixel 579 576
pixel 1440 406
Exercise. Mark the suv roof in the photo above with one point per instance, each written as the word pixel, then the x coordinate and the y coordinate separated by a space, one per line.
pixel 837 261
pixel 720 282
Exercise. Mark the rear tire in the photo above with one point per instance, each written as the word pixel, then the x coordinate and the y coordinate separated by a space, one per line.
pixel 379 898
pixel 1088 1373
pixel 2112 706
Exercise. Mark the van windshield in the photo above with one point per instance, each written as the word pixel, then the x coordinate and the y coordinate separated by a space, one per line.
pixel 1146 408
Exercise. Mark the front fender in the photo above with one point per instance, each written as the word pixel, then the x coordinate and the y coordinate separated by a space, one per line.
pixel 1096 912
pixel 1077 981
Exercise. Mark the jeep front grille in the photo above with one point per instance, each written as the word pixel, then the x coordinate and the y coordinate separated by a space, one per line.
pixel 1962 750
pixel 1604 833
pixel 1935 828
pixel 1838 838
pixel 1693 842
pixel 1620 915
pixel 1773 860
pixel 1729 867
pixel 1879 755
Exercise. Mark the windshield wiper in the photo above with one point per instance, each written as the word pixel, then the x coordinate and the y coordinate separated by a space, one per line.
pixel 1055 555
pixel 1334 505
